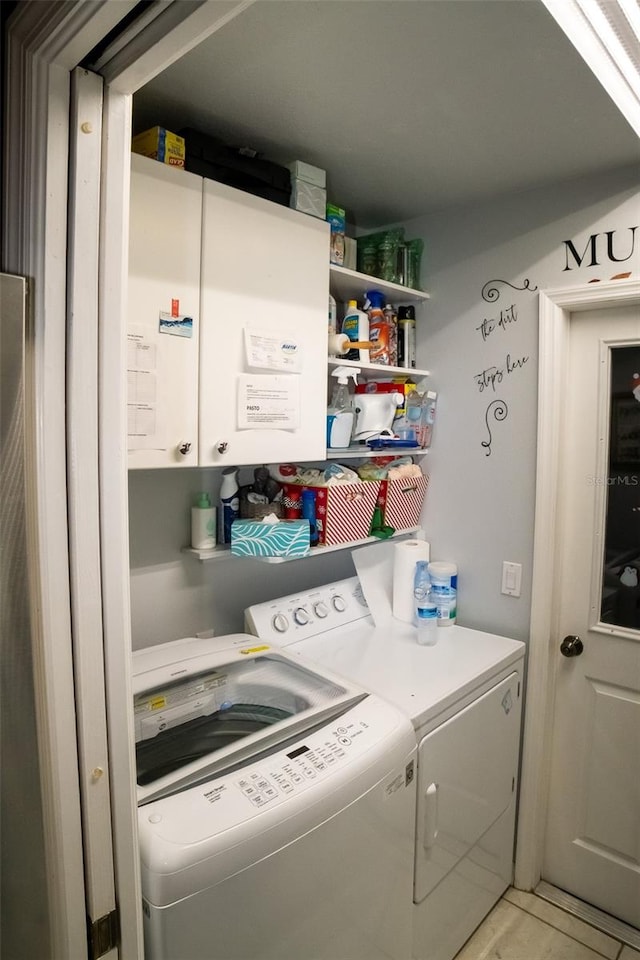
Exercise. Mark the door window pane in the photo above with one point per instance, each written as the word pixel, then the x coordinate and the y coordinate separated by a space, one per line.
pixel 621 578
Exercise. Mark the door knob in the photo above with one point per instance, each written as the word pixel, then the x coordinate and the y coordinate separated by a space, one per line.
pixel 571 646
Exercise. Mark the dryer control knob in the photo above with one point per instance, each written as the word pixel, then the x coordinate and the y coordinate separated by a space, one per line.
pixel 321 610
pixel 338 603
pixel 280 623
pixel 301 616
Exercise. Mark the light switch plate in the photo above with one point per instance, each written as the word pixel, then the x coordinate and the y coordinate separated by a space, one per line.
pixel 511 578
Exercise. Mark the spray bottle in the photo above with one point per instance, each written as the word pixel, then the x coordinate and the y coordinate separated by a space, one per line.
pixel 381 330
pixel 341 411
pixel 356 327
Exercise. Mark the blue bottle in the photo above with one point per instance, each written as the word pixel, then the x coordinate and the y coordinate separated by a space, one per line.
pixel 309 513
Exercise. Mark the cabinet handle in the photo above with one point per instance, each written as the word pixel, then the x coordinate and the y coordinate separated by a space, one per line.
pixel 184 448
pixel 430 815
pixel 222 446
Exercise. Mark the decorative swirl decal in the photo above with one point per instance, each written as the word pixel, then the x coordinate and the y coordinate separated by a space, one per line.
pixel 491 293
pixel 499 410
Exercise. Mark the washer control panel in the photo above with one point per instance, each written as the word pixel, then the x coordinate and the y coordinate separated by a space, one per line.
pixel 302 615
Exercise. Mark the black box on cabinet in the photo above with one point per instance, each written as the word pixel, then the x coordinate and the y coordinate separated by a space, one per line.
pixel 209 157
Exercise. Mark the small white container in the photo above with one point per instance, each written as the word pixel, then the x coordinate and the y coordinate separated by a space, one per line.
pixel 203 524
pixel 444 583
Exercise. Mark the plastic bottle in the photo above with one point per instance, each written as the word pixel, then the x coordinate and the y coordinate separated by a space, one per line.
pixel 309 513
pixel 406 337
pixel 426 607
pixel 380 330
pixel 341 410
pixel 203 523
pixel 229 502
pixel 428 418
pixel 444 584
pixel 356 327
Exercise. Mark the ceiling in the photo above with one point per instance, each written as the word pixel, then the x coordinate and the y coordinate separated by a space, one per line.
pixel 411 106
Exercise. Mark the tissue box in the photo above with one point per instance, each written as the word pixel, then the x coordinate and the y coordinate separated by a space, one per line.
pixel 251 538
pixel 306 171
pixel 160 144
pixel 308 198
pixel 343 513
pixel 401 501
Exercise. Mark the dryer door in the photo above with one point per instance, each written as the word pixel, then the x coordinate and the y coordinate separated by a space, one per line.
pixel 467 772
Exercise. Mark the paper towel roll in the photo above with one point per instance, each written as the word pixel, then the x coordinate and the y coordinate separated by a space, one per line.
pixel 406 555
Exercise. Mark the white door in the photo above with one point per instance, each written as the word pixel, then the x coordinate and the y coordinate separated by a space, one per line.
pixel 265 275
pixel 592 846
pixel 163 308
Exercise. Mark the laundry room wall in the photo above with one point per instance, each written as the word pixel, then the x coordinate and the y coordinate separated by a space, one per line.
pixel 484 268
pixel 483 354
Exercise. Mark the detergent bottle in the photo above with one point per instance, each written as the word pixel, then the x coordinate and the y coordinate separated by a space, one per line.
pixel 381 330
pixel 341 411
pixel 356 327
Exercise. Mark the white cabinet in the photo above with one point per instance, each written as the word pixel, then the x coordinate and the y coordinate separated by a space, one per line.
pixel 164 282
pixel 265 271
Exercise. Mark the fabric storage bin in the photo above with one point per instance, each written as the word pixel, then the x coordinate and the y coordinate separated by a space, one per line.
pixel 343 512
pixel 401 501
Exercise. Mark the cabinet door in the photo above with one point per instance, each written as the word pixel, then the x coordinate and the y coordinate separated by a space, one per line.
pixel 164 295
pixel 265 274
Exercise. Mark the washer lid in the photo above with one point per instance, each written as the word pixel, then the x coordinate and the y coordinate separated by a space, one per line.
pixel 203 706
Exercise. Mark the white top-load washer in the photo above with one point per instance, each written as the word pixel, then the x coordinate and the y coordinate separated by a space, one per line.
pixel 463 697
pixel 276 807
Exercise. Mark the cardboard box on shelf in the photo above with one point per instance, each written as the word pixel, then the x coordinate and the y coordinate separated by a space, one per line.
pixel 343 512
pixel 401 501
pixel 307 172
pixel 160 144
pixel 308 198
pixel 337 222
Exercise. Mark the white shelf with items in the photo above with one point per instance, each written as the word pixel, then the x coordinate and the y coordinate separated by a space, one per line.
pixel 222 553
pixel 356 453
pixel 349 284
pixel 380 370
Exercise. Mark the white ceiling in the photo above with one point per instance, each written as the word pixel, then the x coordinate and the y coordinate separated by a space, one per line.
pixel 410 105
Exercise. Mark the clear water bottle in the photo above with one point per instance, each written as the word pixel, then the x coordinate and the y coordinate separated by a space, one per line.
pixel 426 607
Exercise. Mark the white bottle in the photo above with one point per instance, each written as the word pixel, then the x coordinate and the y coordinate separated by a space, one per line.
pixel 203 524
pixel 356 327
pixel 229 503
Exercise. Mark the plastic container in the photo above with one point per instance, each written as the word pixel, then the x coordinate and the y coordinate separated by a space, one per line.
pixel 229 503
pixel 341 411
pixel 426 606
pixel 203 523
pixel 356 327
pixel 444 585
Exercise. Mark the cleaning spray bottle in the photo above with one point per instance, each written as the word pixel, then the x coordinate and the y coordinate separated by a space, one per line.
pixel 356 327
pixel 381 331
pixel 341 411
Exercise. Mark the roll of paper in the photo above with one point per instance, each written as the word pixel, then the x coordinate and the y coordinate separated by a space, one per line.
pixel 406 555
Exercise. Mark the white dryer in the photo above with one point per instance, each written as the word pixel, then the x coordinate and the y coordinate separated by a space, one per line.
pixel 276 807
pixel 463 697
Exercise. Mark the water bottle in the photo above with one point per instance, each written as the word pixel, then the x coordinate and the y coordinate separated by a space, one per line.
pixel 426 607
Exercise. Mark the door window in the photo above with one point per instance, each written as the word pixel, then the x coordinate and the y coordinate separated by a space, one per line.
pixel 620 600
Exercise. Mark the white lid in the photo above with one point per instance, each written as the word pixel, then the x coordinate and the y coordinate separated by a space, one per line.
pixel 441 568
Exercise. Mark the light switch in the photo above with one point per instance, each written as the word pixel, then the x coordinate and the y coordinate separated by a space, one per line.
pixel 511 578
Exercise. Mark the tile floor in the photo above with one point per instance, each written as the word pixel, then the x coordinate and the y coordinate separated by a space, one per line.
pixel 522 926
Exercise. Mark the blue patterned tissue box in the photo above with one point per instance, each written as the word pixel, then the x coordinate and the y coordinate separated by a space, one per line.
pixel 288 538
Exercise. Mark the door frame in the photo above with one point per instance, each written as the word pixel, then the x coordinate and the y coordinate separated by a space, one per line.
pixel 555 309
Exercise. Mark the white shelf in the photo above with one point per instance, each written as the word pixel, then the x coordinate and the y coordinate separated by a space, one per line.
pixel 220 553
pixel 380 369
pixel 348 285
pixel 353 453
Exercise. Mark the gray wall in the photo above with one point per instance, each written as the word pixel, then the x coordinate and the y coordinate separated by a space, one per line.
pixel 480 505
